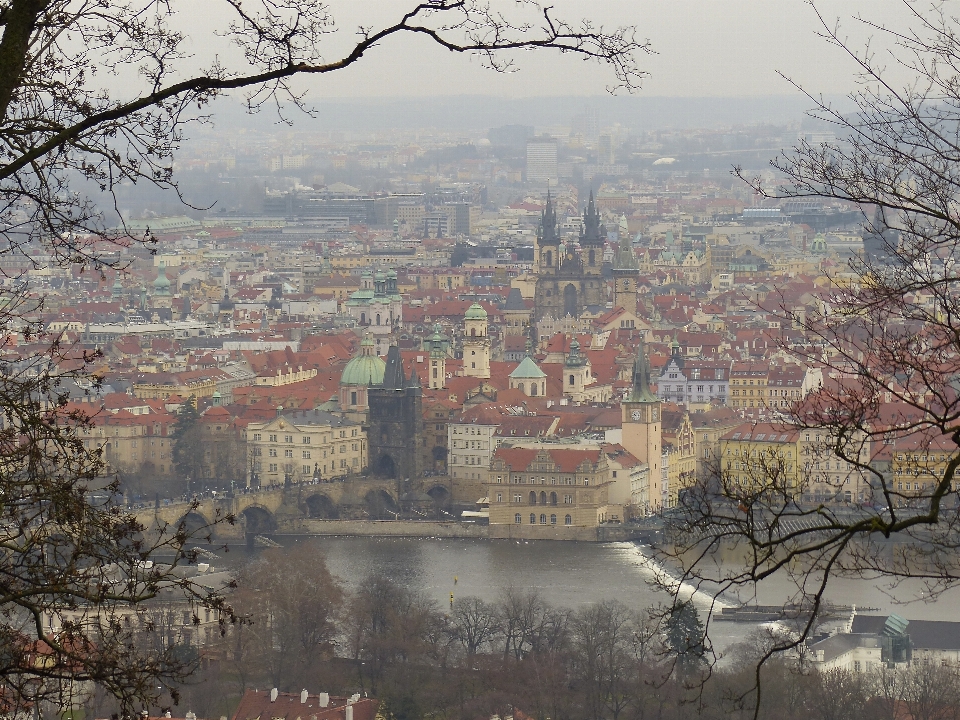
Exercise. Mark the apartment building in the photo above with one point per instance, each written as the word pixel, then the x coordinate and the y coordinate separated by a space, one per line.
pixel 799 462
pixel 298 446
pixel 748 384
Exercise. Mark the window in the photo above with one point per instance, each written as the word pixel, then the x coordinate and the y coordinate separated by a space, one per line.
pixel 288 438
pixel 305 469
pixel 499 497
pixel 272 452
pixel 567 520
pixel 533 519
pixel 571 379
pixel 306 454
pixel 288 453
pixel 256 437
pixel 306 439
pixel 273 438
pixel 543 519
pixel 517 519
pixel 553 519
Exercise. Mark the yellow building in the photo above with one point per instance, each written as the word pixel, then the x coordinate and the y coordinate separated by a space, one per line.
pixel 748 384
pixel 298 446
pixel 801 463
pixel 761 457
pixel 919 463
pixel 549 493
pixel 680 446
pixel 174 385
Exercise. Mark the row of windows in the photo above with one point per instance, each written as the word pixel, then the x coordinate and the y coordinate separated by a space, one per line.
pixel 532 480
pixel 518 519
pixel 543 499
pixel 305 439
pixel 307 469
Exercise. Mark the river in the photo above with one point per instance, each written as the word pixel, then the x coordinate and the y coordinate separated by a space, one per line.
pixel 571 575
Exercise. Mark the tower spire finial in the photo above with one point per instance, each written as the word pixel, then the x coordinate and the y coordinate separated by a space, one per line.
pixel 641 377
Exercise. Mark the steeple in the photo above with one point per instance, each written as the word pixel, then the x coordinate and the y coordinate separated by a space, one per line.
pixel 593 233
pixel 547 232
pixel 574 358
pixel 626 259
pixel 641 378
pixel 393 375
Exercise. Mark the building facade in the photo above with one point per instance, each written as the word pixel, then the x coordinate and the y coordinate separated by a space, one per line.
pixel 550 493
pixel 395 421
pixel 303 445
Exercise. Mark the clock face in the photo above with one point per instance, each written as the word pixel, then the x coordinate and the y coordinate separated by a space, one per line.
pixel 635 414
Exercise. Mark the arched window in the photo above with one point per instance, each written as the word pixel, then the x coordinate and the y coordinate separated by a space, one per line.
pixel 353 397
pixel 378 318
pixel 517 519
pixel 571 379
pixel 533 519
pixel 567 520
pixel 533 389
pixel 533 498
pixel 520 387
pixel 473 332
pixel 553 498
pixel 553 519
pixel 363 318
pixel 543 519
pixel 549 258
pixel 543 498
pixel 593 257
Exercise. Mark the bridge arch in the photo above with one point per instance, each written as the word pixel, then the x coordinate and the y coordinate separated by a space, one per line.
pixel 196 525
pixel 320 506
pixel 439 493
pixel 258 520
pixel 380 504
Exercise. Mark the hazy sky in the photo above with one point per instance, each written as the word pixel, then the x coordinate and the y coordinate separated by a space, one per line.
pixel 704 48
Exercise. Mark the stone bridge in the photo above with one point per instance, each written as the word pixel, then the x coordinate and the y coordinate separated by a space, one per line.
pixel 269 510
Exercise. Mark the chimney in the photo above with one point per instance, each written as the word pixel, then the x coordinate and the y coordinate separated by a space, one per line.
pixel 324 699
pixel 273 695
pixel 303 696
pixel 348 714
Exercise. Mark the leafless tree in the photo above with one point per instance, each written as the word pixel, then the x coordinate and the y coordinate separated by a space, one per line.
pixel 289 603
pixel 885 337
pixel 474 623
pixel 62 127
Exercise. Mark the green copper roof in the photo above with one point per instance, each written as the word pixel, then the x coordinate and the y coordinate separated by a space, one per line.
pixel 527 369
pixel 365 369
pixel 475 312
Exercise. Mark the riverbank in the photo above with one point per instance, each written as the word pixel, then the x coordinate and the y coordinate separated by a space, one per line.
pixel 456 530
pixel 384 528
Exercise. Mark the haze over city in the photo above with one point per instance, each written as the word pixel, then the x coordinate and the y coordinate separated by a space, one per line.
pixel 595 361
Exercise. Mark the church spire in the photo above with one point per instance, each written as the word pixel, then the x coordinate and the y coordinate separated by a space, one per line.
pixel 393 376
pixel 641 377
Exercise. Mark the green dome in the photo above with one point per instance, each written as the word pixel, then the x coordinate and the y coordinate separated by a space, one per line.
pixel 475 312
pixel 365 369
pixel 162 284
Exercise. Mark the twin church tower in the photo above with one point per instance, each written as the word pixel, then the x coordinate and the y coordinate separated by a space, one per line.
pixel 570 282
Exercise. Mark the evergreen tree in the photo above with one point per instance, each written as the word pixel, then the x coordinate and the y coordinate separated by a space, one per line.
pixel 188 450
pixel 685 638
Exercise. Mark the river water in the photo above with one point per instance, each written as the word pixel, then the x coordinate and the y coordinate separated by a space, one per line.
pixel 576 574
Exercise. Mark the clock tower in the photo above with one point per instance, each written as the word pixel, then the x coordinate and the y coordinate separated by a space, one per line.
pixel 640 416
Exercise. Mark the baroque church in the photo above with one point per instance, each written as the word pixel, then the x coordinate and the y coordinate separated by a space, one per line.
pixel 569 278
